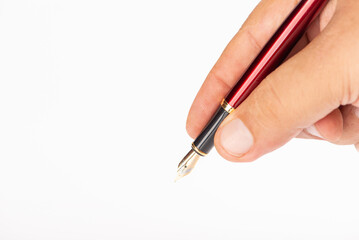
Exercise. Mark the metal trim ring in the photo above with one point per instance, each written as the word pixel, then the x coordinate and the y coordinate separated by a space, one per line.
pixel 225 105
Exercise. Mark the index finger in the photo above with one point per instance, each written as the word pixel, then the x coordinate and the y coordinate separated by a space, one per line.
pixel 235 59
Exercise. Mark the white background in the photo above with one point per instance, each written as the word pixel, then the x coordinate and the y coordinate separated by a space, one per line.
pixel 93 102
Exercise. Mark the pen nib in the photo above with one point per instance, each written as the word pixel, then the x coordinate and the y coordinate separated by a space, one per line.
pixel 187 164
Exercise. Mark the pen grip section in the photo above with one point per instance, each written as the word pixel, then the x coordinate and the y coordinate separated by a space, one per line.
pixel 205 141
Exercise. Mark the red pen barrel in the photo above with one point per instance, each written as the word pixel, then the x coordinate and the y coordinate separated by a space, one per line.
pixel 276 49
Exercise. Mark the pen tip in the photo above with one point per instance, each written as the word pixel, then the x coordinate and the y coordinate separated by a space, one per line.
pixel 187 164
pixel 178 177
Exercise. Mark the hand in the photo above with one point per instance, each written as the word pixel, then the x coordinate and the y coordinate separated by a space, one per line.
pixel 314 94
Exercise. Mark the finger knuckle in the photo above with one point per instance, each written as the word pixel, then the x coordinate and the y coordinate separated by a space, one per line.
pixel 268 104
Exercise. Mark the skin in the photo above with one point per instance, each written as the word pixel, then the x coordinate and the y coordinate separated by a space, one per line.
pixel 317 85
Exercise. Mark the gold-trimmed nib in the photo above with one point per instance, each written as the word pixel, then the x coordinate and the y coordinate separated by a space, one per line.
pixel 187 164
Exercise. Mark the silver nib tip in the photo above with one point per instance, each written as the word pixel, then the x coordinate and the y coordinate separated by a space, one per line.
pixel 187 164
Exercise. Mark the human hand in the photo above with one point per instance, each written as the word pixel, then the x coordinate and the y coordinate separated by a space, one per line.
pixel 314 94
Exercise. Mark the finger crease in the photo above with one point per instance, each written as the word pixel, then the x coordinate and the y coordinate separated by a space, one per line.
pixel 255 43
pixel 221 80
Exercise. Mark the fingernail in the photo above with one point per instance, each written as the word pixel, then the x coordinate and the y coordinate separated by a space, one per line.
pixel 235 138
pixel 313 131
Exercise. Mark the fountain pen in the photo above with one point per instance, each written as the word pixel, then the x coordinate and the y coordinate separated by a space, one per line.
pixel 271 56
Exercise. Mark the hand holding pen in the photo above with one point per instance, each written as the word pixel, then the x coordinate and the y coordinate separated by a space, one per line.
pixel 313 94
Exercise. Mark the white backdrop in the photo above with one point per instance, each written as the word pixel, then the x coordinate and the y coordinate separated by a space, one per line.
pixel 93 103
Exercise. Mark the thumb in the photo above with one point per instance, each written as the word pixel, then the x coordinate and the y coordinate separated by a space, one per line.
pixel 302 91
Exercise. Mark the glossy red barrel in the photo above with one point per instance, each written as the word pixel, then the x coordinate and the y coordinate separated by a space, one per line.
pixel 276 50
